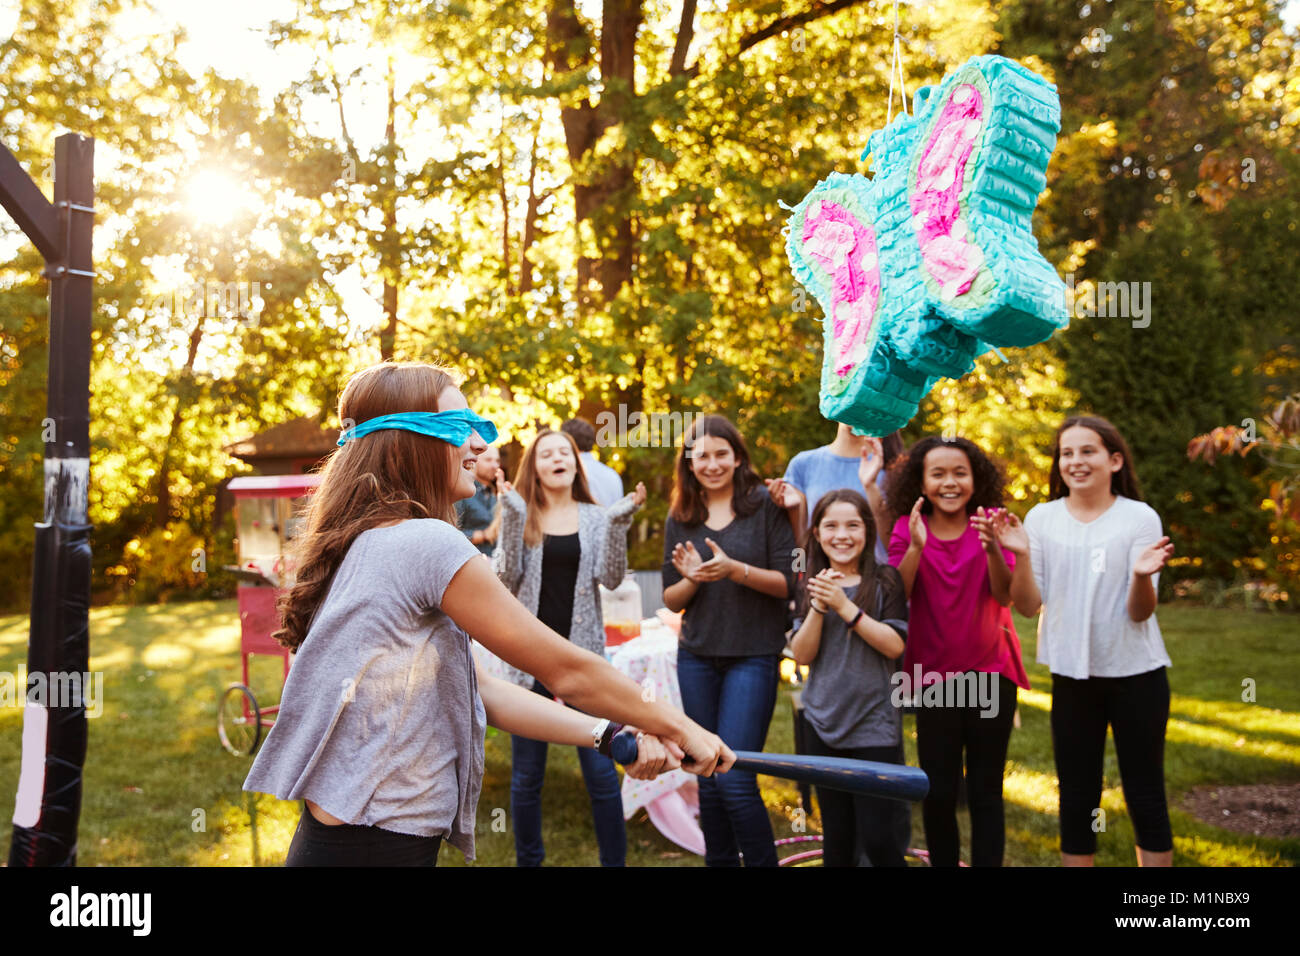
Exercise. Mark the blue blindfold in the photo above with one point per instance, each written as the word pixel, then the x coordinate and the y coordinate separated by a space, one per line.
pixel 453 426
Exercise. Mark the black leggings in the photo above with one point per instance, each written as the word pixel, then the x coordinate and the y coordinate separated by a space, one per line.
pixel 319 844
pixel 1136 709
pixel 942 734
pixel 850 820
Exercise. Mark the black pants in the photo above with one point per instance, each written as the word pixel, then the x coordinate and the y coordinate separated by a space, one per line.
pixel 851 821
pixel 943 733
pixel 1136 709
pixel 319 844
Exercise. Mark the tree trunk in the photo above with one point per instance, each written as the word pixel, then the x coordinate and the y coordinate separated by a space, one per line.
pixel 597 202
pixel 505 209
pixel 530 216
pixel 162 488
pixel 622 20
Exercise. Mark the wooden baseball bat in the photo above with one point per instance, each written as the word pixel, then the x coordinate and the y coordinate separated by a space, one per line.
pixel 869 777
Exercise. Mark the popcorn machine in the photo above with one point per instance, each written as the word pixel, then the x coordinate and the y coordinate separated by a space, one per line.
pixel 269 511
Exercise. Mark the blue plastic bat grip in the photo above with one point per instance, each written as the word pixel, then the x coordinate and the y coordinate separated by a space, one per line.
pixel 623 748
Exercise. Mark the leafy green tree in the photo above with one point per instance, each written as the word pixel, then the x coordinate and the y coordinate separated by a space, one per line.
pixel 1162 384
pixel 582 207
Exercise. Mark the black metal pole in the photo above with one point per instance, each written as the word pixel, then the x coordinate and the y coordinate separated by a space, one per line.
pixel 48 804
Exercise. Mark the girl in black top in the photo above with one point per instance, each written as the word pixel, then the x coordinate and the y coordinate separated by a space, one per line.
pixel 729 564
pixel 560 515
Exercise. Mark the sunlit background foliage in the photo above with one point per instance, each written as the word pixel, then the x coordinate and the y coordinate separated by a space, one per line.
pixel 580 206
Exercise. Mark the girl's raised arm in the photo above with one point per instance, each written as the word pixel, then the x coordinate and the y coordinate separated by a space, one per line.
pixel 999 573
pixel 679 561
pixel 917 535
pixel 778 579
pixel 1142 592
pixel 618 518
pixel 873 460
pixel 508 558
pixel 807 641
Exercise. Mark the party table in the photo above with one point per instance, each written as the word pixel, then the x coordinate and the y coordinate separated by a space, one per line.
pixel 671 799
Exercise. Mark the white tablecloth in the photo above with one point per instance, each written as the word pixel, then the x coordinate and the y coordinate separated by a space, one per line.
pixel 651 661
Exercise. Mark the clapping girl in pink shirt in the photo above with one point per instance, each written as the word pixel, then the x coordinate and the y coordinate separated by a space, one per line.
pixel 963 656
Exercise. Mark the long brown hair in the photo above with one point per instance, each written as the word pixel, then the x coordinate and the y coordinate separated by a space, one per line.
pixel 529 485
pixel 387 475
pixel 689 506
pixel 873 576
pixel 1123 482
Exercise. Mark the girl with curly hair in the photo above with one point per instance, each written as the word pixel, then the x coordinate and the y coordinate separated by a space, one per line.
pixel 961 637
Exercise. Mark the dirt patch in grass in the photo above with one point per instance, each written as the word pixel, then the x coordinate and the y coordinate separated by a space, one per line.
pixel 1261 809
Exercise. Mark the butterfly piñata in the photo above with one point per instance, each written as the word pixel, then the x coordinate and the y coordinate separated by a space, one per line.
pixel 933 261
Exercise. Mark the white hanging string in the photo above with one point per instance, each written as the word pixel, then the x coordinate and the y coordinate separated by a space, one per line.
pixel 896 71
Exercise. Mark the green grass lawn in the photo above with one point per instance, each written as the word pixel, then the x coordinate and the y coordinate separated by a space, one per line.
pixel 160 790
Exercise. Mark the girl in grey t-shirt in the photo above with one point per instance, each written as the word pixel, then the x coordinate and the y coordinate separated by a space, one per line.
pixel 854 627
pixel 381 723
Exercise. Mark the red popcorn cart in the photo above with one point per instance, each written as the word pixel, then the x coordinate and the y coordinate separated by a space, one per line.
pixel 269 510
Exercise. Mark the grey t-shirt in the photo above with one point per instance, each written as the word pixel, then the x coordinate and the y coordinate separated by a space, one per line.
pixel 848 697
pixel 380 722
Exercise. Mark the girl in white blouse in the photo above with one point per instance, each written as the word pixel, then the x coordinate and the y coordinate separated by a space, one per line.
pixel 1089 559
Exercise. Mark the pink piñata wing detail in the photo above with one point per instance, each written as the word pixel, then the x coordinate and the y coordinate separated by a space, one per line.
pixel 846 247
pixel 949 257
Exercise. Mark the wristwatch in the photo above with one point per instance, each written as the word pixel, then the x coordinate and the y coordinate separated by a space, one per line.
pixel 602 734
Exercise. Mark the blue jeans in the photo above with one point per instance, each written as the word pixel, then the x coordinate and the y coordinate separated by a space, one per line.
pixel 528 769
pixel 734 697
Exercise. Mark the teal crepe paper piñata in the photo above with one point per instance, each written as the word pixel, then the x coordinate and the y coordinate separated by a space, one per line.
pixel 932 262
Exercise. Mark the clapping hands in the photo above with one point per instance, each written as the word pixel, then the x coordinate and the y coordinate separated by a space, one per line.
pixel 998 527
pixel 687 560
pixel 717 567
pixel 690 565
pixel 826 591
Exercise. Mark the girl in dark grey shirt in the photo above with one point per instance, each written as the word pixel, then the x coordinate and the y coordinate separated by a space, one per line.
pixel 729 563
pixel 854 626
